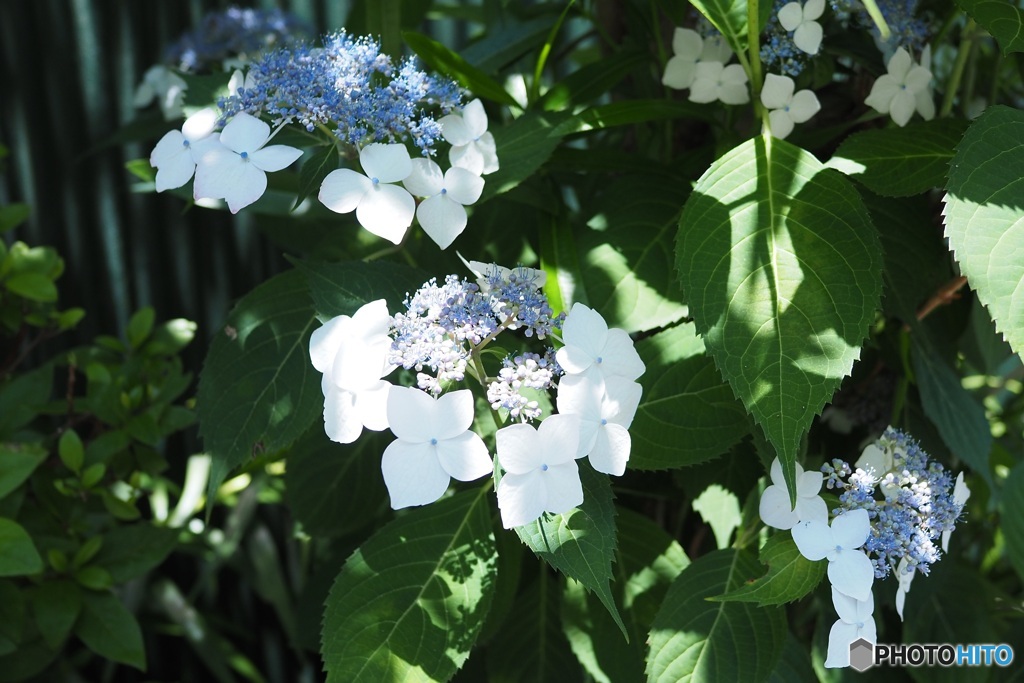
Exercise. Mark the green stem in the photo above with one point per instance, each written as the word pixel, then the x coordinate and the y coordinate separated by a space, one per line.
pixel 753 68
pixel 963 52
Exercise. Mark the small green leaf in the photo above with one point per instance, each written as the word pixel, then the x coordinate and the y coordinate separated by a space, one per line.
pixel 33 286
pixel 18 555
pixel 720 509
pixel 58 560
pixel 132 550
pixel 56 605
pixel 1004 19
pixel 17 463
pixel 410 602
pixel 110 630
pixel 141 169
pixel 694 639
pixel 315 169
pixel 71 451
pixel 140 325
pixel 87 551
pixel 790 575
pixel 581 542
pixel 120 509
pixel 440 58
pixel 899 162
pixel 93 474
pixel 984 202
pixel 94 578
pixel 170 337
pixel 13 215
pixel 69 318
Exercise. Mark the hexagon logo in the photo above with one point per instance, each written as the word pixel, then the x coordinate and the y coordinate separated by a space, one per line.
pixel 862 654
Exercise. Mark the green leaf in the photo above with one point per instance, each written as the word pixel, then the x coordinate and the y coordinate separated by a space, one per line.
pixel 1004 19
pixel 33 286
pixel 592 80
pixel 12 613
pixel 581 543
pixel 440 58
pixel 17 462
pixel 410 602
pixel 87 551
pixel 335 489
pixel 18 555
pixel 342 288
pixel 170 337
pixel 13 215
pixel 959 418
pixel 720 509
pixel 1011 517
pixel 110 630
pixel 631 112
pixel 71 451
pixel 687 414
pixel 795 664
pixel 140 325
pixel 696 640
pixel 94 578
pixel 258 390
pixel 315 169
pixel 131 550
pixel 984 201
pixel 626 256
pixel 899 162
pixel 523 147
pixel 729 17
pixel 790 575
pixel 781 268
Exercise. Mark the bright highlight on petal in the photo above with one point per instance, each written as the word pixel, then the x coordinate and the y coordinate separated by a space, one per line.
pixel 473 147
pixel 786 107
pixel 590 344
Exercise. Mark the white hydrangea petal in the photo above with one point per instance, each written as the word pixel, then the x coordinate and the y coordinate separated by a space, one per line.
pixel 580 395
pixel 961 493
pixel 924 103
pixel 902 107
pixel 442 219
pixel 775 473
pixel 372 406
pixel 488 149
pixel 803 106
pixel 425 179
pixel 250 184
pixel 463 186
pixel 325 342
pixel 703 90
pixel 781 123
pixel 899 65
pixel 588 436
pixel 386 211
pixel 852 574
pixel 203 146
pixel 791 15
pixel 775 510
pixel 357 363
pixel 813 9
pixel 564 488
pixel 813 539
pixel 410 412
pixel 573 359
pixel 883 90
pixel 173 162
pixel 200 124
pixel 716 49
pixel 621 400
pixel 851 529
pixel 559 439
pixel 372 319
pixel 144 93
pixel 619 356
pixel 687 43
pixel 236 82
pixel 807 483
pixel 244 133
pixel 777 91
pixel 464 457
pixel 518 448
pixel 275 157
pixel 468 156
pixel 874 460
pixel 475 117
pixel 734 93
pixel 679 72
pixel 454 413
pixel 812 508
pixel 611 450
pixel 585 329
pixel 388 163
pixel 918 79
pixel 214 171
pixel 734 74
pixel 341 419
pixel 808 37
pixel 839 638
pixel 455 130
pixel 343 189
pixel 412 474
pixel 521 498
pixel 904 578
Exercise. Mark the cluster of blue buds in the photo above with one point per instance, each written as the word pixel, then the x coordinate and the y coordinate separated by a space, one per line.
pixel 349 87
pixel 909 29
pixel 910 499
pixel 234 32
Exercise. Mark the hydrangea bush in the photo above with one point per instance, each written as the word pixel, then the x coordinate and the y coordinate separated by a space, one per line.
pixel 690 300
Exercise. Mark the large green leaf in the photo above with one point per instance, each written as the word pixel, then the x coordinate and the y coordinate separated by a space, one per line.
pixel 790 575
pixel 696 640
pixel 781 268
pixel 984 203
pixel 17 462
pixel 110 630
pixel 341 288
pixel 18 555
pixel 1004 19
pixel 626 256
pixel 22 397
pixel 409 604
pixel 1012 517
pixel 729 17
pixel 687 414
pixel 56 605
pixel 258 390
pixel 131 550
pixel 523 146
pixel 580 543
pixel 593 80
pixel 795 664
pixel 898 162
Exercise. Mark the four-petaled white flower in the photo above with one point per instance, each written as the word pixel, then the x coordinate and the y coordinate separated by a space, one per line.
pixel 606 409
pixel 689 50
pixel 905 576
pixel 849 569
pixel 802 20
pixel 960 495
pixel 589 343
pixel 714 81
pixel 384 209
pixel 434 444
pixel 442 213
pixel 176 155
pixel 896 93
pixel 351 352
pixel 855 621
pixel 473 147
pixel 786 107
pixel 540 469
pixel 236 169
pixel 775 508
pixel 167 87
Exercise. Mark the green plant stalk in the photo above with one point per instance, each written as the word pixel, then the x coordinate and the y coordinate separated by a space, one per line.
pixel 876 16
pixel 753 67
pixel 545 50
pixel 963 52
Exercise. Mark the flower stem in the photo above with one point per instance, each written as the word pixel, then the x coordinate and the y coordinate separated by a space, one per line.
pixel 754 66
pixel 963 52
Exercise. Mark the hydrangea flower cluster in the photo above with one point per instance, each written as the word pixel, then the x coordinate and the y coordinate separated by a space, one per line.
pixel 444 329
pixel 234 33
pixel 779 50
pixel 700 64
pixel 894 507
